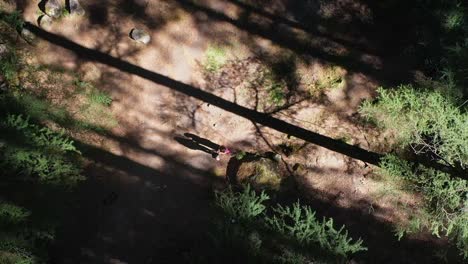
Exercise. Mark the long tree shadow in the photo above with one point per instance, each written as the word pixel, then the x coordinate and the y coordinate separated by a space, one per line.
pixel 257 117
pixel 252 115
pixel 308 27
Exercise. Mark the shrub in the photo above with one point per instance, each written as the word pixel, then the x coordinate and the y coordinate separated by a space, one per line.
pixel 244 206
pixel 427 121
pixel 99 97
pixel 13 247
pixel 215 58
pixel 9 65
pixel 13 19
pixel 11 214
pixel 33 151
pixel 444 21
pixel 39 109
pixel 14 251
pixel 294 230
pixel 454 19
pixel 94 114
pixel 276 92
pixel 277 95
pixel 299 223
pixel 330 77
pixel 446 200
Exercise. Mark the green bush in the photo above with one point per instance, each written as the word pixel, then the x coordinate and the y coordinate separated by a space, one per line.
pixel 444 21
pixel 13 247
pixel 427 121
pixel 454 18
pixel 15 251
pixel 42 165
pixel 446 200
pixel 13 19
pixel 299 223
pixel 9 65
pixel 293 230
pixel 276 93
pixel 99 97
pixel 33 151
pixel 11 214
pixel 215 58
pixel 243 206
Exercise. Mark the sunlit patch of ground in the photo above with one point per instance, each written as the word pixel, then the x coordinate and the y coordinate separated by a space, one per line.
pixel 141 153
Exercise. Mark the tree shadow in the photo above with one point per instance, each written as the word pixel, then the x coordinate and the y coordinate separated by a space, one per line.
pixel 98 14
pixel 253 115
pixel 290 40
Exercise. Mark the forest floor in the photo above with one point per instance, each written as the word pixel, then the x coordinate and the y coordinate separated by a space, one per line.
pixel 147 197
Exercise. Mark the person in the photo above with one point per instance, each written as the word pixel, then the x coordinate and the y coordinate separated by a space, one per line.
pixel 222 150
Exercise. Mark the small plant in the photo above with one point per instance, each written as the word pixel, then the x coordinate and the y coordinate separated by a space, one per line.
pixel 454 19
pixel 80 84
pixel 41 137
pixel 295 230
pixel 13 19
pixel 273 85
pixel 215 58
pixel 243 206
pixel 33 151
pixel 13 247
pixel 100 97
pixel 94 113
pixel 9 67
pixel 64 12
pixel 299 223
pixel 11 214
pixel 276 93
pixel 94 95
pixel 240 155
pixel 446 200
pixel 14 250
pixel 331 77
pixel 426 121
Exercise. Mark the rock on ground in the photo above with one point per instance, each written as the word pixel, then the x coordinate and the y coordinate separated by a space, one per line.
pixel 28 35
pixel 44 22
pixel 140 36
pixel 53 8
pixel 76 8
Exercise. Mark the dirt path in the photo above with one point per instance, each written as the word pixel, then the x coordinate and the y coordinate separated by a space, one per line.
pixel 147 197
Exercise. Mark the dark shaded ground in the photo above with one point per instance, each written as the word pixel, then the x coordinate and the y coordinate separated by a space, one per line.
pixel 157 223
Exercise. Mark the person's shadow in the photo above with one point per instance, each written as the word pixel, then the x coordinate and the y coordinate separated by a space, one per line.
pixel 195 142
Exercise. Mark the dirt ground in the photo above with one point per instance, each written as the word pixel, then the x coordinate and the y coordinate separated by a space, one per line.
pixel 147 197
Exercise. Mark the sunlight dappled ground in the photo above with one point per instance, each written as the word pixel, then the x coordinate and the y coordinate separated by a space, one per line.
pixel 163 187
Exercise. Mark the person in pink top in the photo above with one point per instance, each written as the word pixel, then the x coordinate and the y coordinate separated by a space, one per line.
pixel 222 150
